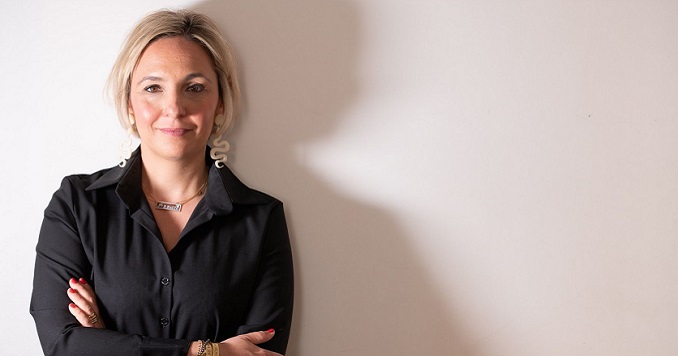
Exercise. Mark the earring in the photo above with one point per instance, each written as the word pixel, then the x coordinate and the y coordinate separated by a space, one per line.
pixel 126 148
pixel 126 144
pixel 218 151
pixel 219 145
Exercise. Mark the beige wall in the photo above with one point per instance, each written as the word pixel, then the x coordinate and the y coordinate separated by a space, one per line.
pixel 461 177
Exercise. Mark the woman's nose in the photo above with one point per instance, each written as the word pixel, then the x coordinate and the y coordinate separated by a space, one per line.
pixel 174 106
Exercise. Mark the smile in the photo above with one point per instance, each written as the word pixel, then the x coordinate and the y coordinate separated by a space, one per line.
pixel 174 132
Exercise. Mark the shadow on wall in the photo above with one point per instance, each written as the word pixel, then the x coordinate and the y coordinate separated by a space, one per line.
pixel 360 289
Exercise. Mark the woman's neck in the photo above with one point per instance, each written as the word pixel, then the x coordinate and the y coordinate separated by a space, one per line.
pixel 172 180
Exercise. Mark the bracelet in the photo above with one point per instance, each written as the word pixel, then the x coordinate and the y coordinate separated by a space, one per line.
pixel 212 349
pixel 203 345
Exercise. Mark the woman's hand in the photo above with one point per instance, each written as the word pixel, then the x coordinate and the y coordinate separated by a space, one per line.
pixel 84 307
pixel 246 344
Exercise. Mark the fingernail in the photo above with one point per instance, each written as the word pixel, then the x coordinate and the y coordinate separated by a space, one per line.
pixel 73 280
pixel 82 281
pixel 270 331
pixel 71 290
pixel 72 305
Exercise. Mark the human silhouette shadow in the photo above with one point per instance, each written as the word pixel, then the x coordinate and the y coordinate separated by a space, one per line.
pixel 360 289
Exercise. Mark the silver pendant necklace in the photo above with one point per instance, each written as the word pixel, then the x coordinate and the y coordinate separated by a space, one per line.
pixel 176 207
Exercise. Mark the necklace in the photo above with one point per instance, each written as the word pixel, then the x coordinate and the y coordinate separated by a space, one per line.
pixel 176 207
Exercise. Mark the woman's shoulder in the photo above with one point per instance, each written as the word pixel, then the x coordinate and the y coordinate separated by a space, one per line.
pixel 74 192
pixel 241 193
pixel 87 179
pixel 82 182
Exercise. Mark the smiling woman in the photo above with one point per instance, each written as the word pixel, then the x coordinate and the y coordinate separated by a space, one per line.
pixel 169 250
pixel 174 98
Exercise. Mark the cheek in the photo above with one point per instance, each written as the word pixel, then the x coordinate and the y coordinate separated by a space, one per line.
pixel 143 109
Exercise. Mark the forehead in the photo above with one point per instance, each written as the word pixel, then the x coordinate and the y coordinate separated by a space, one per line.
pixel 174 56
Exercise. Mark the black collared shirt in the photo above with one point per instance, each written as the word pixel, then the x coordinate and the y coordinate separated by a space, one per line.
pixel 230 272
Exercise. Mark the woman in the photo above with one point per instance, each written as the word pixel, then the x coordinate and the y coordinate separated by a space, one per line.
pixel 169 250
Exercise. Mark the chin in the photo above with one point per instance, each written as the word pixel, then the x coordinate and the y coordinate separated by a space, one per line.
pixel 177 153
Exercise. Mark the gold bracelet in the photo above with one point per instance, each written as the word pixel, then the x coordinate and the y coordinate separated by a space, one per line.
pixel 214 348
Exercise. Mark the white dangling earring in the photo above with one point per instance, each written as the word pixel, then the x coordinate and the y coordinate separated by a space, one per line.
pixel 219 145
pixel 126 144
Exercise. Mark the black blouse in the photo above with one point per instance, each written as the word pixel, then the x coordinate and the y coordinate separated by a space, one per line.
pixel 230 272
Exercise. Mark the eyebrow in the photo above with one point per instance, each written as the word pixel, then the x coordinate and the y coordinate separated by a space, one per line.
pixel 160 79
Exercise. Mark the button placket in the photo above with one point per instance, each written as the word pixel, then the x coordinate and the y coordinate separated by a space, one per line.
pixel 164 276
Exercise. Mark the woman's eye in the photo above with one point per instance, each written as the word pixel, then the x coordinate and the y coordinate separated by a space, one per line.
pixel 196 88
pixel 152 88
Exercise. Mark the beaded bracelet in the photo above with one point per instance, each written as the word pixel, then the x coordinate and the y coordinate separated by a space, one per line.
pixel 203 345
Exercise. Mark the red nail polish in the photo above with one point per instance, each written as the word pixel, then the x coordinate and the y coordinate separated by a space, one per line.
pixel 82 281
pixel 71 290
pixel 73 280
pixel 270 331
pixel 72 305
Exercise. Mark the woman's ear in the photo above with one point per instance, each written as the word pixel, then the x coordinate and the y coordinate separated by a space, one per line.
pixel 220 108
pixel 130 117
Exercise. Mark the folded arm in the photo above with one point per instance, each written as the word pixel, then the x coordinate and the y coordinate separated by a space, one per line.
pixel 59 257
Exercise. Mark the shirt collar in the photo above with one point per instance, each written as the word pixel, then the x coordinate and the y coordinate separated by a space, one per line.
pixel 224 189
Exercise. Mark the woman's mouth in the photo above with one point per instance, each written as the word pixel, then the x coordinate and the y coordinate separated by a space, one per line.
pixel 174 132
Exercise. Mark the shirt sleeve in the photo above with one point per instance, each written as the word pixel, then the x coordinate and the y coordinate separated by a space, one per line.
pixel 274 292
pixel 60 256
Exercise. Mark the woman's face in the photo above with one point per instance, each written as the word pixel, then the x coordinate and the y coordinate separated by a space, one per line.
pixel 174 98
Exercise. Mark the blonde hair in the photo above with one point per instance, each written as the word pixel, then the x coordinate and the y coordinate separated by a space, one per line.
pixel 192 26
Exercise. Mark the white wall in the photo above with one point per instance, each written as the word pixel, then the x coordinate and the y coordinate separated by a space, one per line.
pixel 461 177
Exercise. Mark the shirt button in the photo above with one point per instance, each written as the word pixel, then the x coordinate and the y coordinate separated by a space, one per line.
pixel 165 281
pixel 164 322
